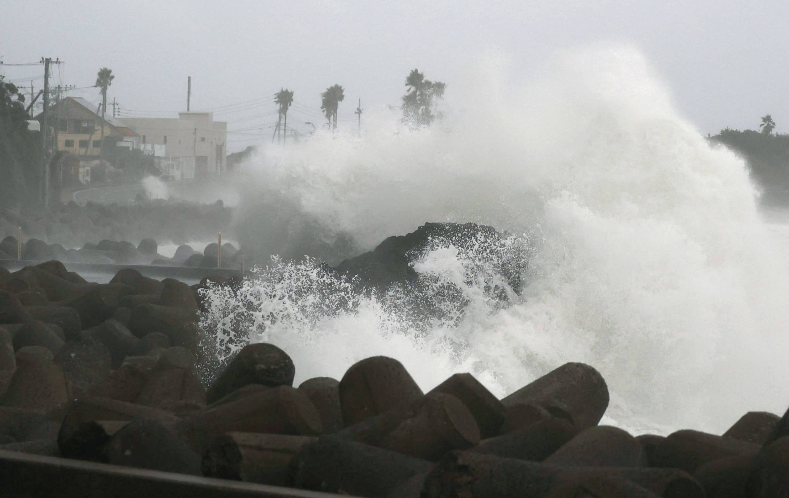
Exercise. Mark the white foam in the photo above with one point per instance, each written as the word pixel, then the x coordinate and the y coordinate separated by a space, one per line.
pixel 650 262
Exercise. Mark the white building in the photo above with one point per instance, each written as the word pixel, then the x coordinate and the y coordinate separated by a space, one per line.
pixel 192 146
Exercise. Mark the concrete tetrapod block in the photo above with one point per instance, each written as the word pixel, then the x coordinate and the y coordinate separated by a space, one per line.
pixel 688 450
pixel 127 382
pixel 483 405
pixel 7 360
pixel 476 475
pixel 725 477
pixel 88 440
pixel 172 380
pixel 32 298
pixel 251 457
pixel 64 317
pixel 575 388
pixel 260 363
pixel 20 423
pixel 98 303
pixel 139 283
pixel 11 310
pixel 609 487
pixel 600 446
pixel 339 466
pixel 373 386
pixel 101 409
pixel 753 427
pixel 280 410
pixel 35 333
pixel 650 442
pixel 177 324
pixel 523 415
pixel 149 444
pixel 247 390
pixel 85 364
pixel 535 442
pixel 770 475
pixel 117 338
pixel 177 294
pixel 427 428
pixel 38 382
pixel 324 392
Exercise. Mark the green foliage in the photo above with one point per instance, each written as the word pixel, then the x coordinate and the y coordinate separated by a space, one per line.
pixel 104 80
pixel 284 99
pixel 418 103
pixel 768 125
pixel 19 149
pixel 767 156
pixel 330 103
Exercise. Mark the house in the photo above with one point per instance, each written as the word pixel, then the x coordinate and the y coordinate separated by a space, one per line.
pixel 191 146
pixel 78 125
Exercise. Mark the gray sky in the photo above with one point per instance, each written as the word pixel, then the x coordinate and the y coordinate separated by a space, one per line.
pixel 725 60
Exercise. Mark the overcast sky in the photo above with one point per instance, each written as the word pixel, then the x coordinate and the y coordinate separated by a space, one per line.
pixel 725 60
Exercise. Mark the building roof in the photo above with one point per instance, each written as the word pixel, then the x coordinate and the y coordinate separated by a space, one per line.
pixel 122 128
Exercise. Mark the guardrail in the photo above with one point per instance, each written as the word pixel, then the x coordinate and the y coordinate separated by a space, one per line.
pixel 25 475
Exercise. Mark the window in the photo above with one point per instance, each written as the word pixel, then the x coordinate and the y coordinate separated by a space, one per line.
pixel 143 139
pixel 63 125
pixel 69 144
pixel 202 139
pixel 83 144
pixel 86 126
pixel 165 140
pixel 96 144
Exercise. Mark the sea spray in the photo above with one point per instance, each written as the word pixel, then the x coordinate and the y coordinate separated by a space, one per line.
pixel 649 258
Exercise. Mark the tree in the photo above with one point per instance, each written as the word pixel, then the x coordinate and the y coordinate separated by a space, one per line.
pixel 284 99
pixel 767 125
pixel 422 94
pixel 20 149
pixel 103 81
pixel 330 103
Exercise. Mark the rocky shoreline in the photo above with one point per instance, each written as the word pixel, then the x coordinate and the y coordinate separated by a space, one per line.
pixel 114 373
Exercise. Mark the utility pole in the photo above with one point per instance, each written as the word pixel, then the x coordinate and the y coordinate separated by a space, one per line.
pixel 189 94
pixel 32 98
pixel 113 106
pixel 45 138
pixel 359 113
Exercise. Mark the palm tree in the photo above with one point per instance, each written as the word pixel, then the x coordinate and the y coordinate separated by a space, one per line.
pixel 330 103
pixel 767 125
pixel 418 102
pixel 103 81
pixel 284 98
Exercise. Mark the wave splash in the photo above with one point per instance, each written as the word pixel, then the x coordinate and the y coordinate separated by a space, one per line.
pixel 647 257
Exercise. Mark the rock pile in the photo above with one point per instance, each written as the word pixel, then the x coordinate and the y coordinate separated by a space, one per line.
pixel 107 373
pixel 73 224
pixel 121 253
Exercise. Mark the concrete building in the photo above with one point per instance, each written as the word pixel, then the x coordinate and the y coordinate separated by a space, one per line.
pixel 195 146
